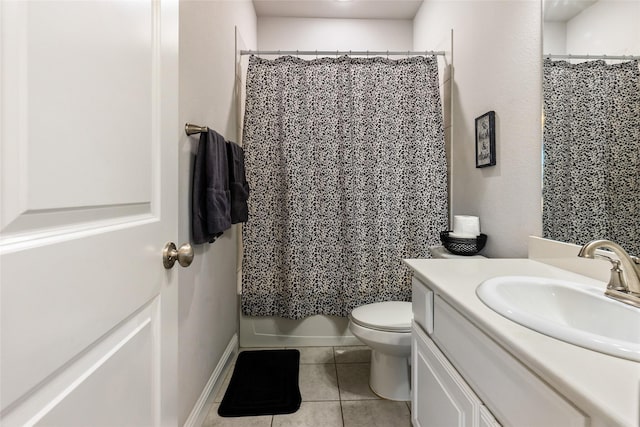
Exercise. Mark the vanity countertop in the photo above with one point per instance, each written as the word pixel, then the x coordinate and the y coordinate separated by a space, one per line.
pixel 603 386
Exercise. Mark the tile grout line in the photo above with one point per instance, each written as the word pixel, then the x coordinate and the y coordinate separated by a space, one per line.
pixel 373 399
pixel 335 365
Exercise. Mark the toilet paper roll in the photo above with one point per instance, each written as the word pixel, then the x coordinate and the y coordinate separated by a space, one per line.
pixel 462 235
pixel 465 226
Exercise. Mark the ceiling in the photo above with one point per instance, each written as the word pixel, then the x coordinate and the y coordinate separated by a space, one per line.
pixel 362 9
pixel 554 10
pixel 564 10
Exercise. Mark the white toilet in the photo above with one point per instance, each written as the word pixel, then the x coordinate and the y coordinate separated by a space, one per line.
pixel 386 328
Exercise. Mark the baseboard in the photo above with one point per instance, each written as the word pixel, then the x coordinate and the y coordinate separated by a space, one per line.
pixel 200 409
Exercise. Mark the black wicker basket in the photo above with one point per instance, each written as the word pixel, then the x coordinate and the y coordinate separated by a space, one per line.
pixel 463 246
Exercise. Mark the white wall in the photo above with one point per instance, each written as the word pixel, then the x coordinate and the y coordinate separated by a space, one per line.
pixel 208 312
pixel 496 66
pixel 609 27
pixel 554 38
pixel 334 34
pixel 428 39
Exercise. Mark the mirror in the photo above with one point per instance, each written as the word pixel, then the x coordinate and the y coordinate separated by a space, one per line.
pixel 591 116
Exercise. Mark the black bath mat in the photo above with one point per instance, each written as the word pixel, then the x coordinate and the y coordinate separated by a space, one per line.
pixel 264 382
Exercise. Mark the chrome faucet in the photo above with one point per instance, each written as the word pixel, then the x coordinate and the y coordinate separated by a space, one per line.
pixel 624 285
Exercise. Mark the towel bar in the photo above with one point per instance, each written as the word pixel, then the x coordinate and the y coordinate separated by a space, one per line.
pixel 192 129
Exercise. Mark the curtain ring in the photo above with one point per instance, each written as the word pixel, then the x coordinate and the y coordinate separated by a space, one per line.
pixel 297 54
pixel 387 54
pixel 316 53
pixel 336 53
pixel 367 53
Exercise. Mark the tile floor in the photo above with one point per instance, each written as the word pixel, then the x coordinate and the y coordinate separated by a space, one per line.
pixel 334 384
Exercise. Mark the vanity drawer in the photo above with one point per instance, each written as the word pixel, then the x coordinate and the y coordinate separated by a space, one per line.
pixel 514 394
pixel 422 305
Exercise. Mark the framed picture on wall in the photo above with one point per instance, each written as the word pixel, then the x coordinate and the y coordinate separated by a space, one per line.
pixel 486 140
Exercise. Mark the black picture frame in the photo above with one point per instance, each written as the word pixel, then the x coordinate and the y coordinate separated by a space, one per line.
pixel 486 140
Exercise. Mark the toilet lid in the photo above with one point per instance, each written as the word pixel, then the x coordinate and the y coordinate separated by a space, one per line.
pixel 392 316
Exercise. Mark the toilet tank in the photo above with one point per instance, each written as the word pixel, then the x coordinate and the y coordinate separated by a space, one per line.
pixel 441 252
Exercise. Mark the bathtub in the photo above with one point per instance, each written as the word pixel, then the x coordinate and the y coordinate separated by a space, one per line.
pixel 313 331
pixel 316 330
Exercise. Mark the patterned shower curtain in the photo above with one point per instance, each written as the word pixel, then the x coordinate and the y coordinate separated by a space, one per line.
pixel 346 164
pixel 592 152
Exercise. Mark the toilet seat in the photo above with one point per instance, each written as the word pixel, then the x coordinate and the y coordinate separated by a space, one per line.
pixel 388 316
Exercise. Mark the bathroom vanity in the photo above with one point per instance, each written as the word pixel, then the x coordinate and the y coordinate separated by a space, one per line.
pixel 473 367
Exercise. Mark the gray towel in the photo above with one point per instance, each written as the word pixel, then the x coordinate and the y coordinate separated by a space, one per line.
pixel 210 207
pixel 238 186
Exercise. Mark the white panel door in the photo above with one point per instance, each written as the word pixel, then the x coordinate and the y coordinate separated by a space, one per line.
pixel 88 332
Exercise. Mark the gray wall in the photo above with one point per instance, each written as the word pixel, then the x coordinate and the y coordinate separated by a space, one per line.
pixel 496 66
pixel 208 313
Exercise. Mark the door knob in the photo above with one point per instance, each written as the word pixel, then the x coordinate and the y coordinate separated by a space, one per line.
pixel 184 255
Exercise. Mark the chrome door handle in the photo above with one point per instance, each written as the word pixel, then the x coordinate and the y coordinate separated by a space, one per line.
pixel 184 255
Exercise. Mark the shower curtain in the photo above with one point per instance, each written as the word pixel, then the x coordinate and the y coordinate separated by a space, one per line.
pixel 346 164
pixel 592 152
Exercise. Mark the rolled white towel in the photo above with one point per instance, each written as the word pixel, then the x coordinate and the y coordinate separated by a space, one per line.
pixel 465 226
pixel 462 235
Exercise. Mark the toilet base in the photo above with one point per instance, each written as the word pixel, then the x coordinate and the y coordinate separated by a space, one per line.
pixel 390 376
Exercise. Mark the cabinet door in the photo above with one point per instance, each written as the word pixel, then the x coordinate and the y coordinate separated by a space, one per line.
pixel 440 397
pixel 515 395
pixel 487 419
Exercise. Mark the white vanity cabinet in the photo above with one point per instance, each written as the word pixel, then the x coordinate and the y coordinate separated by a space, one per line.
pixel 461 377
pixel 441 397
pixel 486 418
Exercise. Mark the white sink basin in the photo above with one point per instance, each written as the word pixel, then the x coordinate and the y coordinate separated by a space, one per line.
pixel 569 311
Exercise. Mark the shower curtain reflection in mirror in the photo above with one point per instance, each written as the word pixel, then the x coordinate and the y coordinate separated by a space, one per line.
pixel 592 152
pixel 346 163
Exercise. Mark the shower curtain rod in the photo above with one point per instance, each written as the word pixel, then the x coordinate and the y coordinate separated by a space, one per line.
pixel 616 57
pixel 342 52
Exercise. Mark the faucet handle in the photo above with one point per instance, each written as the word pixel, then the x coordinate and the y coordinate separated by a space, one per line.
pixel 616 281
pixel 635 259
